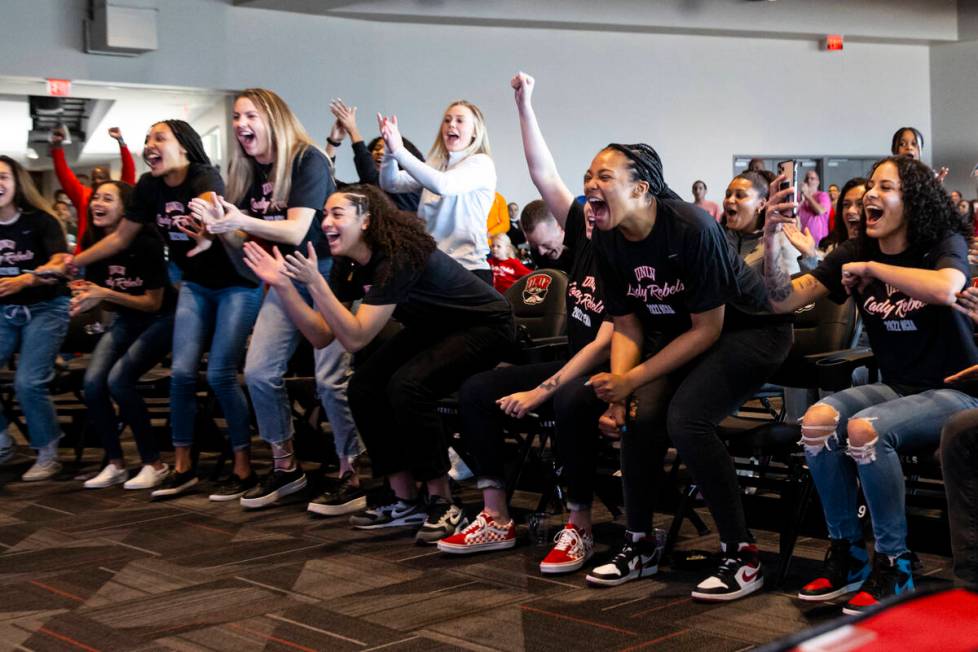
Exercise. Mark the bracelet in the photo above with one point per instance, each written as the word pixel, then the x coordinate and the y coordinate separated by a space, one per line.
pixel 334 143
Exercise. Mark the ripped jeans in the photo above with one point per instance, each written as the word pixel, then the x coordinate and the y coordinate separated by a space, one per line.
pixel 901 423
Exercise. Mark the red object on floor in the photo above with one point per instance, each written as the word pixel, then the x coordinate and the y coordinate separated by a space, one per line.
pixel 946 621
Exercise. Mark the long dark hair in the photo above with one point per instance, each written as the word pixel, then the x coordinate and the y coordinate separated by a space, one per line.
pixel 839 232
pixel 761 185
pixel 399 236
pixel 927 207
pixel 26 195
pixel 189 139
pixel 646 166
pixel 95 233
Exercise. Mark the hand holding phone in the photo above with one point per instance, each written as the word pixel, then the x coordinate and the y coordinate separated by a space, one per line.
pixel 789 169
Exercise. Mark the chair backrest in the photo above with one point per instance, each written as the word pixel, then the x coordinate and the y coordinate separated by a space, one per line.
pixel 539 303
pixel 825 326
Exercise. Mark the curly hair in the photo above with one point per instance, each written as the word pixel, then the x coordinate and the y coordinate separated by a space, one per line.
pixel 399 236
pixel 927 207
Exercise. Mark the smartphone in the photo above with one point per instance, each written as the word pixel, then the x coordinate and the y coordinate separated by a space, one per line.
pixel 789 169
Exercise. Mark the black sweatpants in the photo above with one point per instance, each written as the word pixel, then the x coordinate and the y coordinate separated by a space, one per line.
pixel 393 393
pixel 959 460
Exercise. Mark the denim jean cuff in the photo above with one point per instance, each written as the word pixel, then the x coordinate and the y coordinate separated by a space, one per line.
pixel 490 483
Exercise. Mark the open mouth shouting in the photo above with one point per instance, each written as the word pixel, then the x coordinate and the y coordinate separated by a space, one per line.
pixel 600 215
pixel 153 159
pixel 247 139
pixel 874 214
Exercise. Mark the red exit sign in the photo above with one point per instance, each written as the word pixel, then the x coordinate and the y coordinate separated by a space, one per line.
pixel 833 42
pixel 59 87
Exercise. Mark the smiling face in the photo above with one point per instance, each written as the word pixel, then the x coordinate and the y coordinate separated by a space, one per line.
pixel 883 204
pixel 907 144
pixel 162 152
pixel 741 204
pixel 547 239
pixel 8 188
pixel 106 206
pixel 964 208
pixel 343 226
pixel 955 197
pixel 811 178
pixel 458 128
pixel 852 209
pixel 377 153
pixel 610 191
pixel 251 130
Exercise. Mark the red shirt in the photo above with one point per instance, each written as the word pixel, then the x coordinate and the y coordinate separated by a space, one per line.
pixel 506 272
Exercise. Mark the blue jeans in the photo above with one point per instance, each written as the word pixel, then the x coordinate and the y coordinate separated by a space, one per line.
pixel 133 344
pixel 901 423
pixel 223 319
pixel 272 345
pixel 36 332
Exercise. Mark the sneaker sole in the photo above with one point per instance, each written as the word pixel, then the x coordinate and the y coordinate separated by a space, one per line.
pixel 128 487
pixel 226 498
pixel 431 537
pixel 103 486
pixel 286 490
pixel 824 597
pixel 855 612
pixel 399 522
pixel 648 571
pixel 175 491
pixel 727 597
pixel 355 505
pixel 565 567
pixel 466 549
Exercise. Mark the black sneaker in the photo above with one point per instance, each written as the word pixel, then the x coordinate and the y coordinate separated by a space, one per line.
pixel 233 488
pixel 175 484
pixel 845 569
pixel 635 559
pixel 739 575
pixel 889 578
pixel 445 518
pixel 392 512
pixel 343 498
pixel 278 484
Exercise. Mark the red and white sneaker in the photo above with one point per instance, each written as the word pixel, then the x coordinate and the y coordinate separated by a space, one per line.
pixel 483 534
pixel 574 547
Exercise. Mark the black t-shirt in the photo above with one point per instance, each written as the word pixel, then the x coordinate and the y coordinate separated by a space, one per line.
pixel 564 263
pixel 27 244
pixel 917 345
pixel 441 296
pixel 312 183
pixel 585 290
pixel 153 201
pixel 684 266
pixel 140 267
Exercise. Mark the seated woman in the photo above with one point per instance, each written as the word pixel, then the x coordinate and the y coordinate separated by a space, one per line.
pixel 454 326
pixel 693 340
pixel 33 313
pixel 903 271
pixel 488 399
pixel 134 285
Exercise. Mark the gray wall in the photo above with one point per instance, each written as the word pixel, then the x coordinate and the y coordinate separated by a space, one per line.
pixel 697 99
pixel 954 101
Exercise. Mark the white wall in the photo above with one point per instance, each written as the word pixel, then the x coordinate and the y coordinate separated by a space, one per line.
pixel 954 76
pixel 697 99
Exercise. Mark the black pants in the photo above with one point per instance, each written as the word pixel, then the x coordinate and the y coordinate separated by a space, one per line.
pixel 393 393
pixel 706 391
pixel 484 275
pixel 959 459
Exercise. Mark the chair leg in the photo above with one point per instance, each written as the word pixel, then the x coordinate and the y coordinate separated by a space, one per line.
pixel 796 502
pixel 683 510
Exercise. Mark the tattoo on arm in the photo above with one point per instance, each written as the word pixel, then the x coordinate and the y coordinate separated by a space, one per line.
pixel 777 279
pixel 550 384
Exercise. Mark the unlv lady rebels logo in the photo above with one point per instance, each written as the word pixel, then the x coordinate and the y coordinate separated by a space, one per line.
pixel 536 288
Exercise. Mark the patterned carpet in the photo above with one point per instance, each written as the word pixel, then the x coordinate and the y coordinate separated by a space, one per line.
pixel 109 570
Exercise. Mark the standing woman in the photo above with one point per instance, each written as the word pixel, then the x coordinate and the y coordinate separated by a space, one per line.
pixel 454 326
pixel 278 183
pixel 134 285
pixel 908 141
pixel 691 343
pixel 33 315
pixel 458 182
pixel 214 292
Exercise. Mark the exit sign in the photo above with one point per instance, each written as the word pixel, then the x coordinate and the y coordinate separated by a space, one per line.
pixel 833 42
pixel 59 87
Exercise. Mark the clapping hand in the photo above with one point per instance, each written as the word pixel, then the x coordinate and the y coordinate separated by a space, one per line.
pixel 302 268
pixel 269 269
pixel 390 133
pixel 194 229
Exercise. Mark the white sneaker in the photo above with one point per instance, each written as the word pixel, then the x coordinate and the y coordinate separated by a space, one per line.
pixel 41 471
pixel 148 477
pixel 109 476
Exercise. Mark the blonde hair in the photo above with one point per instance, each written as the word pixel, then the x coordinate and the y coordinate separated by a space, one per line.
pixel 438 155
pixel 504 240
pixel 288 138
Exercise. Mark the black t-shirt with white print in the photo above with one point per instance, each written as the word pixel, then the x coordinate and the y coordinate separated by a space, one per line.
pixel 585 290
pixel 26 244
pixel 916 344
pixel 442 296
pixel 154 202
pixel 139 268
pixel 684 266
pixel 312 183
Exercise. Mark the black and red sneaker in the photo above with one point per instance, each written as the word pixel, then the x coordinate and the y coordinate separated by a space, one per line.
pixel 844 570
pixel 889 578
pixel 739 575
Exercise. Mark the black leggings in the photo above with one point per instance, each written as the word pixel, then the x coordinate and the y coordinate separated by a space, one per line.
pixel 707 391
pixel 393 393
pixel 959 459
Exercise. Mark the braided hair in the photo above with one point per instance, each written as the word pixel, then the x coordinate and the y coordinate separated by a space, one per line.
pixel 189 139
pixel 646 166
